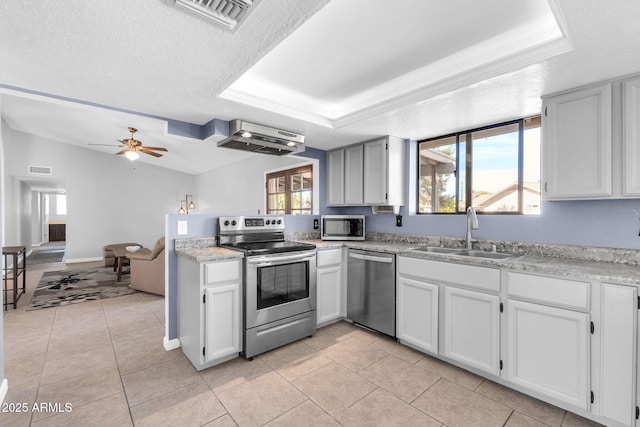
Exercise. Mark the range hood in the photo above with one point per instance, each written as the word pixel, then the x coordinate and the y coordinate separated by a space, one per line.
pixel 262 139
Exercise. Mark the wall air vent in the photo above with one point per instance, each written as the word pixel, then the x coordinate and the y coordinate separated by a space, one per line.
pixel 225 13
pixel 40 170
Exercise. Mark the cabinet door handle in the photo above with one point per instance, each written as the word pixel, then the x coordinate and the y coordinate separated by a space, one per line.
pixel 545 186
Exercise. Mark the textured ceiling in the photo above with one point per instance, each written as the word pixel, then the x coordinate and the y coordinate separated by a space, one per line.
pixel 156 60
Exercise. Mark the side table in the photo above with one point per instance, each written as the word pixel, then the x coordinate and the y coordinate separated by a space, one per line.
pixel 13 273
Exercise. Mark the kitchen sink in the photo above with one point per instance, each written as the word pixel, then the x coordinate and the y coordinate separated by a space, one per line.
pixel 436 249
pixel 463 252
pixel 482 254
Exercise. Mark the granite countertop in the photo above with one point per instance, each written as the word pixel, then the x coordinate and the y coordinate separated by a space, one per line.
pixel 596 264
pixel 567 267
pixel 214 253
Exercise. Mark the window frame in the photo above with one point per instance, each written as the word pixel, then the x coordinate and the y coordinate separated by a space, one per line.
pixel 287 173
pixel 468 167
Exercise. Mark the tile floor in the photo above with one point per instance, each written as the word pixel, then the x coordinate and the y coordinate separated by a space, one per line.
pixel 106 359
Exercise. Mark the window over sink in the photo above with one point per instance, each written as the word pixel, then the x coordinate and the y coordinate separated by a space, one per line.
pixel 290 191
pixel 495 168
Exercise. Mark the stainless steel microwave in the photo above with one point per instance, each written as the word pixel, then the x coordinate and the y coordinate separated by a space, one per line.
pixel 342 227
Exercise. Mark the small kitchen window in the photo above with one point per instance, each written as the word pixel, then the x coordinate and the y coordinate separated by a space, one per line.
pixel 290 192
pixel 495 169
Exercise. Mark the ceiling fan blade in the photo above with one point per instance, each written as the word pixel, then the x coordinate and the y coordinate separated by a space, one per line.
pixel 122 152
pixel 143 150
pixel 105 145
pixel 154 148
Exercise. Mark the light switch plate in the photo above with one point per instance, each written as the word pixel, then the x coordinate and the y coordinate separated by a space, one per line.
pixel 182 228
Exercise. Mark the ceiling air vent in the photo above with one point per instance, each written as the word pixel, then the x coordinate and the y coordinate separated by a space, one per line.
pixel 40 170
pixel 225 13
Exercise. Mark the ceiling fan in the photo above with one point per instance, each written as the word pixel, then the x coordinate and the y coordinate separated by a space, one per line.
pixel 133 146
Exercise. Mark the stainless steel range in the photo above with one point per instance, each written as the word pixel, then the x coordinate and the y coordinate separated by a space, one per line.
pixel 279 282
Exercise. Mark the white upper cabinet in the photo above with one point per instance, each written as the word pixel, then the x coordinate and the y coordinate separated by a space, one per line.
pixel 384 172
pixel 335 177
pixel 631 117
pixel 577 148
pixel 354 175
pixel 370 173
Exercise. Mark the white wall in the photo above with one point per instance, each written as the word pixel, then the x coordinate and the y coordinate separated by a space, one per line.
pixel 239 188
pixel 109 198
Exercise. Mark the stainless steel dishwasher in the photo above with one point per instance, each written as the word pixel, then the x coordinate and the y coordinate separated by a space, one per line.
pixel 371 290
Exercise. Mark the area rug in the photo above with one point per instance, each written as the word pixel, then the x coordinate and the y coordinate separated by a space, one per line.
pixel 45 256
pixel 58 288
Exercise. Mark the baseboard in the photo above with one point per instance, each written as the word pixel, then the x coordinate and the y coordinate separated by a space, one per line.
pixel 4 388
pixel 171 344
pixel 76 260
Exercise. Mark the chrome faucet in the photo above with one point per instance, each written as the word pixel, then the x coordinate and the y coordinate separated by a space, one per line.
pixel 472 223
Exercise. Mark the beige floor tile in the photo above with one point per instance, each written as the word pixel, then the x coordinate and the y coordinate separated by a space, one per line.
pixel 366 336
pixel 77 343
pixel 194 405
pixel 111 411
pixel 452 373
pixel 573 420
pixel 354 354
pixel 223 421
pixel 75 365
pixel 138 358
pixel 307 414
pixel 344 327
pixel 455 405
pixel 294 360
pixel 260 400
pixel 326 337
pixel 334 388
pixel 146 384
pixel 24 366
pixel 21 390
pixel 79 391
pixel 520 420
pixel 391 346
pixel 399 377
pixel 382 409
pixel 541 411
pixel 130 319
pixel 234 372
pixel 141 337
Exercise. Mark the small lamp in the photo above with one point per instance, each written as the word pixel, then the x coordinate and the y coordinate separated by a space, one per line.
pixel 188 203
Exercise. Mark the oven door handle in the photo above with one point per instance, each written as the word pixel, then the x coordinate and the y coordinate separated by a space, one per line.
pixel 263 261
pixel 371 258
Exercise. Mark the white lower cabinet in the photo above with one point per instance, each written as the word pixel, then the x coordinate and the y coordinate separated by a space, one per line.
pixel 223 321
pixel 471 328
pixel 330 286
pixel 209 311
pixel 417 314
pixel 548 351
pixel 618 395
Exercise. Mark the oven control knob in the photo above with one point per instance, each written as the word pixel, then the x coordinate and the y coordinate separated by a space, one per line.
pixel 226 222
pixel 233 222
pixel 279 221
pixel 268 222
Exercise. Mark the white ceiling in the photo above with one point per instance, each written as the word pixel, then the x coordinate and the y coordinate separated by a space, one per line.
pixel 338 72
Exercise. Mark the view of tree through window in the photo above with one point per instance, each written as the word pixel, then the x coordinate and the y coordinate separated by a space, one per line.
pixel 290 191
pixel 496 169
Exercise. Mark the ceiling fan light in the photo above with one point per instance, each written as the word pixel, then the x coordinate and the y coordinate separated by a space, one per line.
pixel 131 155
pixel 192 205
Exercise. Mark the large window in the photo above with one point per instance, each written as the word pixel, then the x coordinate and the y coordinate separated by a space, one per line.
pixel 290 191
pixel 495 169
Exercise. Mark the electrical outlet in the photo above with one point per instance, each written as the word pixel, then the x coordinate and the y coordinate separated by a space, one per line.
pixel 316 224
pixel 398 220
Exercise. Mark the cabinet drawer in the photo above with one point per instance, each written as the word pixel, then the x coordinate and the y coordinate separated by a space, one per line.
pixel 550 290
pixel 329 257
pixel 482 278
pixel 221 272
